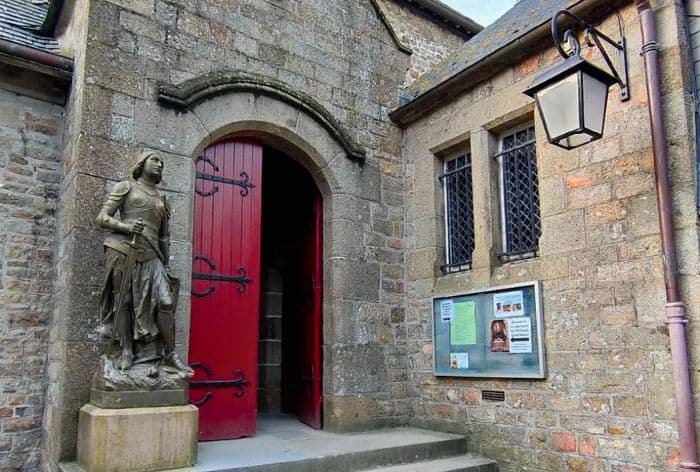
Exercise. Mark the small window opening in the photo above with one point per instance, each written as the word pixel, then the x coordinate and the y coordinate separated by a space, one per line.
pixel 459 213
pixel 520 201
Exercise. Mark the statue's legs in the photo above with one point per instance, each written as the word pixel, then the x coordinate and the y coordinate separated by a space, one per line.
pixel 123 325
pixel 166 326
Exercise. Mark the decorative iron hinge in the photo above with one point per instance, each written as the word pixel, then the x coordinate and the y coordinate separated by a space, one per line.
pixel 237 383
pixel 240 279
pixel 244 183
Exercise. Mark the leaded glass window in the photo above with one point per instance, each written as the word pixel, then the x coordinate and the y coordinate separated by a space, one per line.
pixel 459 213
pixel 520 199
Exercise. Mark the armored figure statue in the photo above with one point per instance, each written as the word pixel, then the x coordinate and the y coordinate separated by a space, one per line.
pixel 139 295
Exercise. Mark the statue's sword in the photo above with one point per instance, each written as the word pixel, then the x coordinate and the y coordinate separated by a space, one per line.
pixel 126 279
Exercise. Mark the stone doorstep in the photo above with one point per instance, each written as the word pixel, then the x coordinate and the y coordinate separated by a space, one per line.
pixel 462 463
pixel 286 445
pixel 306 450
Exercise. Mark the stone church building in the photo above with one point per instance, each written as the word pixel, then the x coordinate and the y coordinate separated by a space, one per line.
pixel 362 199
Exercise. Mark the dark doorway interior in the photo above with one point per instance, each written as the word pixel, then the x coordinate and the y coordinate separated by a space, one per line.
pixel 290 344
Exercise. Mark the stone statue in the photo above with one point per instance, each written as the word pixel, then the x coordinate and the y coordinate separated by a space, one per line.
pixel 139 295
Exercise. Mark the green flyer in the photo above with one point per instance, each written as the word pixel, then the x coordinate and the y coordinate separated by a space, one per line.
pixel 463 327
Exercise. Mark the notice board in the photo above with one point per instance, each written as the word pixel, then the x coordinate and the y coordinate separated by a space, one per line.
pixel 495 332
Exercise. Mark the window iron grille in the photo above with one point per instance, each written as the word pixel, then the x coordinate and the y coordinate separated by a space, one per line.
pixel 520 194
pixel 459 213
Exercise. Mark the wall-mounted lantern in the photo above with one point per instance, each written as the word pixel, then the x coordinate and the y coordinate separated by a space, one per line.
pixel 571 96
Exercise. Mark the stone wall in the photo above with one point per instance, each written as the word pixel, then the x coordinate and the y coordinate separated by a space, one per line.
pixel 339 53
pixel 30 148
pixel 428 40
pixel 607 403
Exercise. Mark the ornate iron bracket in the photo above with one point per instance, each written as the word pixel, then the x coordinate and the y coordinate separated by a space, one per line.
pixel 593 39
pixel 207 261
pixel 211 192
pixel 208 291
pixel 202 400
pixel 238 383
pixel 244 183
pixel 240 279
pixel 212 266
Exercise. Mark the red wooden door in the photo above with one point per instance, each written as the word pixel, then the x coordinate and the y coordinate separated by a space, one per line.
pixel 225 289
pixel 310 397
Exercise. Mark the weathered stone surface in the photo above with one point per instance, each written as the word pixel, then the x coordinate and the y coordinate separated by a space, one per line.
pixel 31 133
pixel 348 379
pixel 122 440
pixel 599 258
pixel 353 280
pixel 133 47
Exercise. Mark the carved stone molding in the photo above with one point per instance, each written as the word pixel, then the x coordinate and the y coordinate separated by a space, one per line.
pixel 188 94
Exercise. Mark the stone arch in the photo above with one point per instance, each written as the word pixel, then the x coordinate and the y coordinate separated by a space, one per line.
pixel 349 185
pixel 281 138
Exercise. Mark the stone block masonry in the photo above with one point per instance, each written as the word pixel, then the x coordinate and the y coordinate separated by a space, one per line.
pixel 30 148
pixel 428 40
pixel 342 55
pixel 607 403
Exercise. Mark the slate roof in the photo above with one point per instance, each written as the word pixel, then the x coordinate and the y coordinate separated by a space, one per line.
pixel 525 16
pixel 449 15
pixel 21 22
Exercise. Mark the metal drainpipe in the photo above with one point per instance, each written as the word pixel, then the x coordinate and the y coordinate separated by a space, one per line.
pixel 675 313
pixel 64 64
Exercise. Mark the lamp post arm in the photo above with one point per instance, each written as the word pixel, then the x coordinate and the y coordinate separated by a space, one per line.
pixel 555 29
pixel 619 72
pixel 613 70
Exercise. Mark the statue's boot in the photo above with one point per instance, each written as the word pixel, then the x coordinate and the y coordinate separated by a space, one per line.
pixel 166 325
pixel 125 360
pixel 123 330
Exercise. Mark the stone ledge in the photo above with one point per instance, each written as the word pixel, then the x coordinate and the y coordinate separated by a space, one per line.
pixel 137 399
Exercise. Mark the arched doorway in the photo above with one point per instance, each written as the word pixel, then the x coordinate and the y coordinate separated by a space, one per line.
pixel 255 335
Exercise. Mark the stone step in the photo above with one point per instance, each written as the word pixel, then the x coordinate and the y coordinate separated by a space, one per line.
pixel 461 463
pixel 318 451
pixel 283 444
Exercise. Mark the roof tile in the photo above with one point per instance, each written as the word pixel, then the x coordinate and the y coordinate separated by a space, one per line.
pixel 21 21
pixel 515 23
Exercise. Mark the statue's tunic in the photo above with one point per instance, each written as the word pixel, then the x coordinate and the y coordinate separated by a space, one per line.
pixel 148 279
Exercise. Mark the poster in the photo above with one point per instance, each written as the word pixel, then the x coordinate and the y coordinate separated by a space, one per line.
pixel 520 331
pixel 447 310
pixel 508 304
pixel 499 340
pixel 463 327
pixel 459 360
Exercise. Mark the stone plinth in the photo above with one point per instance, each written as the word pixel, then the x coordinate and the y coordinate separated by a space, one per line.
pixel 137 439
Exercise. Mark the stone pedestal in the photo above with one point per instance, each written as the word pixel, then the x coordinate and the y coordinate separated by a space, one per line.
pixel 137 439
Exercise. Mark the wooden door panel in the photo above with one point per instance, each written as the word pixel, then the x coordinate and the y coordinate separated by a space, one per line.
pixel 225 289
pixel 310 395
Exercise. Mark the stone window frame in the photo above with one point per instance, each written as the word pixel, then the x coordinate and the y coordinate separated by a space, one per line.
pixel 504 133
pixel 464 152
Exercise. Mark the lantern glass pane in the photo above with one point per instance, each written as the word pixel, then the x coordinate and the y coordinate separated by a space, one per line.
pixel 576 140
pixel 595 95
pixel 559 105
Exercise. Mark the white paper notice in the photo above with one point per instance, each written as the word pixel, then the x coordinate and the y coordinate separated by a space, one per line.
pixel 520 331
pixel 508 304
pixel 459 360
pixel 447 310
